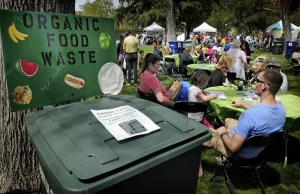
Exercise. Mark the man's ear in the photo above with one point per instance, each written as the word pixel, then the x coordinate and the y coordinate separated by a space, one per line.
pixel 264 86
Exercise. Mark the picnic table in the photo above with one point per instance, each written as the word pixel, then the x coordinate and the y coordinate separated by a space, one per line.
pixel 177 60
pixel 224 108
pixel 204 66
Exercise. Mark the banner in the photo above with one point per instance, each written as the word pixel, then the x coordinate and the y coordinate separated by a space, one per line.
pixel 52 58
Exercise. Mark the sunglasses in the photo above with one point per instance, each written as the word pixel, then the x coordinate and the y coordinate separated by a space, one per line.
pixel 261 81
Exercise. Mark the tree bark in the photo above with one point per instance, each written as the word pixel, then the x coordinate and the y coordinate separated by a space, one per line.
pixel 171 23
pixel 18 159
pixel 188 28
pixel 286 24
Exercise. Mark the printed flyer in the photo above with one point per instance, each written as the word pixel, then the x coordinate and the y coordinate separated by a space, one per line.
pixel 125 122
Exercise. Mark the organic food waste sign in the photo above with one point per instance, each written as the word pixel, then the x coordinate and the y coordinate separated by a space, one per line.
pixel 52 58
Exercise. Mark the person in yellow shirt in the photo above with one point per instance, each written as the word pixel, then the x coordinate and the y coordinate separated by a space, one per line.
pixel 131 47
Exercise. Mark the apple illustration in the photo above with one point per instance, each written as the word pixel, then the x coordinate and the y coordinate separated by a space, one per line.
pixel 104 40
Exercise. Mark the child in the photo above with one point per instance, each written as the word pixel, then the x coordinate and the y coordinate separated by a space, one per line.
pixel 199 81
pixel 141 52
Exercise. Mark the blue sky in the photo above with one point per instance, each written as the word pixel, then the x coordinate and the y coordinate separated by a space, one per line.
pixel 80 2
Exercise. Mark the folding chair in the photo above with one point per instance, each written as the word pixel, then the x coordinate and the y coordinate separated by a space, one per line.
pixel 146 96
pixel 231 76
pixel 253 163
pixel 186 107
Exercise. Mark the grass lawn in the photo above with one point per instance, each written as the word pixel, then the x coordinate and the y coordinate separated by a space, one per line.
pixel 276 179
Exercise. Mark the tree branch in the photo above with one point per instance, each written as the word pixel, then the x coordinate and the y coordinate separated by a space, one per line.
pixel 272 10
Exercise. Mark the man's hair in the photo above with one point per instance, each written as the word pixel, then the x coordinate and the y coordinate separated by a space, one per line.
pixel 274 79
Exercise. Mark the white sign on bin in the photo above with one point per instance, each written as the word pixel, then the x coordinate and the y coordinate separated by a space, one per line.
pixel 290 44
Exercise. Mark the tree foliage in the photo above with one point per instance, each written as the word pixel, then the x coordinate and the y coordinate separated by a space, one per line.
pixel 245 16
pixel 140 13
pixel 188 13
pixel 97 8
pixel 192 13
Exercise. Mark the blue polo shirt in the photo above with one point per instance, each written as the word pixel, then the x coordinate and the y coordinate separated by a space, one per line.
pixel 258 121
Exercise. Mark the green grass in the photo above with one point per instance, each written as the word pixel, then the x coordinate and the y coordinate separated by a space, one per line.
pixel 276 179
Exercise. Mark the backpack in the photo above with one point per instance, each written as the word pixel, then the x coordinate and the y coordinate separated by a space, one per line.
pixel 260 62
pixel 183 94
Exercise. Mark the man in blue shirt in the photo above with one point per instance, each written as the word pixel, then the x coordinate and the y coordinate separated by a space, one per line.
pixel 266 118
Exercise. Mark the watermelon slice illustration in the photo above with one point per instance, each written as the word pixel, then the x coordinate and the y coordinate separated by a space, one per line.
pixel 27 68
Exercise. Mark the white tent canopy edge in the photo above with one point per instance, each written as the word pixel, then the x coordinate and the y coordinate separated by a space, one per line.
pixel 204 27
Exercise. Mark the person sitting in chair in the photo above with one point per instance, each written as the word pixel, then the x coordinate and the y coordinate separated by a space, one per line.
pixel 198 52
pixel 275 64
pixel 296 56
pixel 218 77
pixel 266 118
pixel 150 84
pixel 185 57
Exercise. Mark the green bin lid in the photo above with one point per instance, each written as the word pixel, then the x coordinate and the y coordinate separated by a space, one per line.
pixel 86 149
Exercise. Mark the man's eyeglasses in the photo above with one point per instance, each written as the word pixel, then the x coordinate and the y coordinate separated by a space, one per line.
pixel 261 81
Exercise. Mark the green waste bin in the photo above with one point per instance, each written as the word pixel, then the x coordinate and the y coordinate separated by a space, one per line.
pixel 187 44
pixel 277 47
pixel 78 155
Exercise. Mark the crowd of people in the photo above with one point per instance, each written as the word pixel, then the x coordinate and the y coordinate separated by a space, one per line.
pixel 233 56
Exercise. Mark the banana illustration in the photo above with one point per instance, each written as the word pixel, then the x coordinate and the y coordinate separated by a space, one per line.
pixel 19 33
pixel 15 35
pixel 11 34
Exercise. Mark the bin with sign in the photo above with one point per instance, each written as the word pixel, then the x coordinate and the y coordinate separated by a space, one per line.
pixel 175 46
pixel 78 155
pixel 290 47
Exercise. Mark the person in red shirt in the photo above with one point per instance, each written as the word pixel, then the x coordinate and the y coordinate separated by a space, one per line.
pixel 150 84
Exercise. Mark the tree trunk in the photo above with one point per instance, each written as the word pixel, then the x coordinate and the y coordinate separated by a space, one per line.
pixel 286 24
pixel 188 28
pixel 18 159
pixel 171 23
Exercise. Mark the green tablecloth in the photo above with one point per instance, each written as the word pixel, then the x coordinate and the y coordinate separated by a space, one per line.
pixel 176 58
pixel 207 67
pixel 224 109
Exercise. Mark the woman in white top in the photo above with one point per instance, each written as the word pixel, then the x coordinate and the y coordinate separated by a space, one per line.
pixel 239 59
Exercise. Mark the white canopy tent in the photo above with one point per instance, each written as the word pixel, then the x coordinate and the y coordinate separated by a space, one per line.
pixel 154 28
pixel 181 37
pixel 204 28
